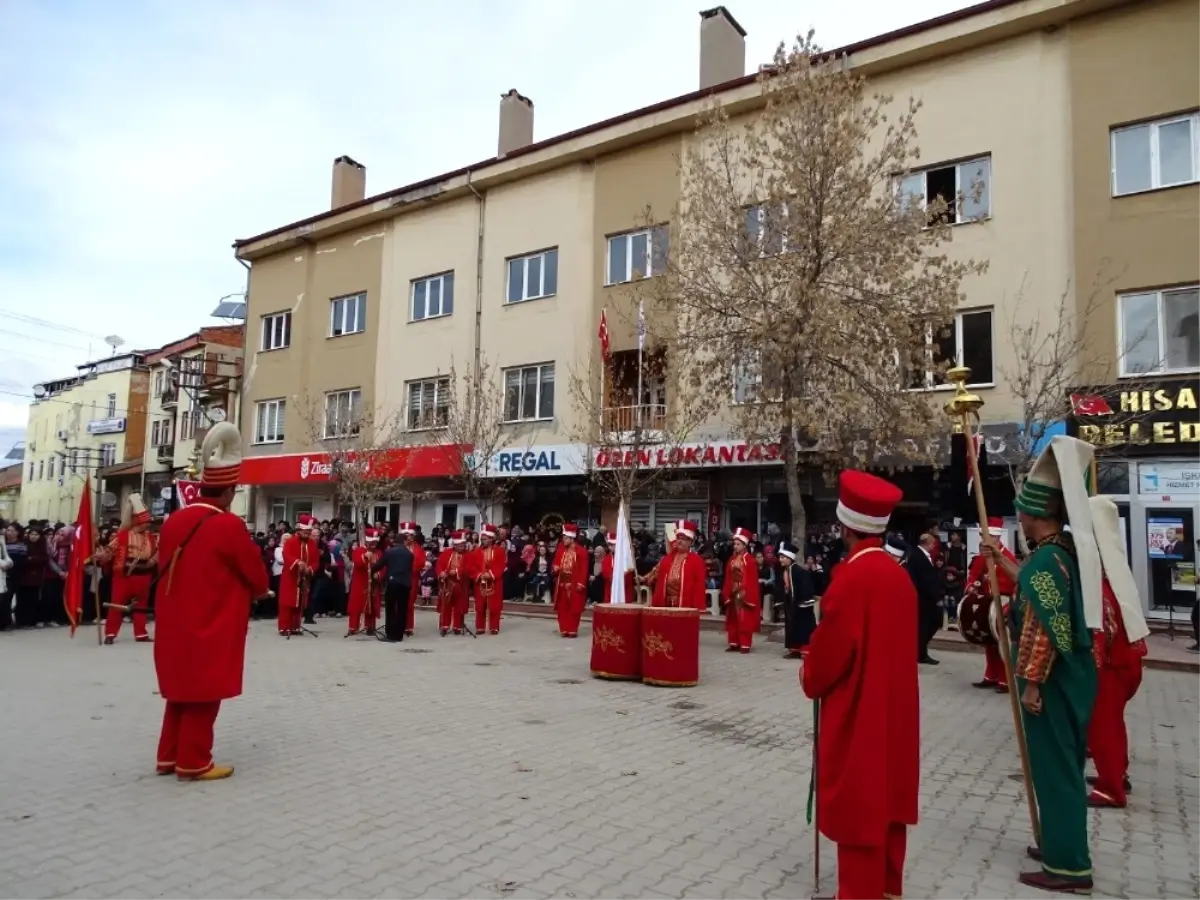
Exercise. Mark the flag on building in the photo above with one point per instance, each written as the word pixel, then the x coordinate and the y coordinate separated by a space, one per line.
pixel 622 558
pixel 81 552
pixel 603 335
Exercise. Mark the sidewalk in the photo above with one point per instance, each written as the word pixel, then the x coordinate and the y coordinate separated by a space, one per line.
pixel 1164 653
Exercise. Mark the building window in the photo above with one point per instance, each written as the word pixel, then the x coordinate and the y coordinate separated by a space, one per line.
pixel 268 422
pixel 276 331
pixel 50 467
pixel 74 461
pixel 108 455
pixel 41 469
pixel 433 297
pixel 1155 154
pixel 1160 331
pixel 158 383
pixel 748 380
pixel 767 228
pixel 188 423
pixel 966 341
pixel 428 403
pixel 343 413
pixel 191 372
pixel 533 276
pixel 637 254
pixel 348 315
pixel 112 406
pixel 965 187
pixel 154 433
pixel 160 432
pixel 529 393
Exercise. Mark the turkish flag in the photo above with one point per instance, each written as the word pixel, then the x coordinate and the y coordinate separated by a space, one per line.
pixel 186 492
pixel 603 334
pixel 1090 405
pixel 81 552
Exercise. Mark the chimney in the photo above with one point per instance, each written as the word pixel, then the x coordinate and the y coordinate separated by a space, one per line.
pixel 349 182
pixel 516 123
pixel 722 47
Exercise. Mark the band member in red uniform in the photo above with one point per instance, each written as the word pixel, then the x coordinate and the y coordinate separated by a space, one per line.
pixel 366 589
pixel 679 577
pixel 408 532
pixel 741 594
pixel 1119 648
pixel 606 572
pixel 134 561
pixel 301 555
pixel 570 569
pixel 452 575
pixel 486 564
pixel 866 679
pixel 993 671
pixel 210 572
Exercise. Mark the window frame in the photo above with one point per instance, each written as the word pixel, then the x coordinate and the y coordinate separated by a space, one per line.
pixel 1155 125
pixel 759 238
pixel 539 415
pixel 280 405
pixel 957 165
pixel 427 280
pixel 1163 369
pixel 355 423
pixel 108 455
pixel 440 383
pixel 359 306
pixel 524 259
pixel 930 343
pixel 285 317
pixel 661 230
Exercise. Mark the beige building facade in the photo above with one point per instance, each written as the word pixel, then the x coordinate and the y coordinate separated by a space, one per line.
pixel 513 260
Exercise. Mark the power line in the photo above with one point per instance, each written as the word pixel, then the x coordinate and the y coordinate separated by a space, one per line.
pixel 45 323
pixel 34 337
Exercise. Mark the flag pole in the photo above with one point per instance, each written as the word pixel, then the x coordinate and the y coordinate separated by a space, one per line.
pixel 963 408
pixel 96 568
pixel 641 344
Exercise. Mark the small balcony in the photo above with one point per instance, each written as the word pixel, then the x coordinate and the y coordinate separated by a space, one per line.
pixel 639 417
pixel 169 397
pixel 165 453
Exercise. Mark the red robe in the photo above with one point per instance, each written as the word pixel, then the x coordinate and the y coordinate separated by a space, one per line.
pixel 202 611
pixel 452 601
pixel 606 572
pixel 490 561
pixel 296 551
pixel 862 668
pixel 679 580
pixel 131 551
pixel 993 671
pixel 1118 677
pixel 571 567
pixel 361 559
pixel 418 553
pixel 741 572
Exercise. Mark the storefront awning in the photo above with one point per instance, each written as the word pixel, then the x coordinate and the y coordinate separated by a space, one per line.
pixel 436 461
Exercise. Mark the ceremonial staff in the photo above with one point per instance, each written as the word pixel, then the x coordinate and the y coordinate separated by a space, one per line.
pixel 813 815
pixel 963 410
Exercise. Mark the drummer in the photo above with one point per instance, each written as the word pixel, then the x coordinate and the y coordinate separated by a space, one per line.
pixel 740 594
pixel 679 577
pixel 978 584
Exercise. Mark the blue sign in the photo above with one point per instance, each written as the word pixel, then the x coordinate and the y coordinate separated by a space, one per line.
pixel 517 463
pixel 543 460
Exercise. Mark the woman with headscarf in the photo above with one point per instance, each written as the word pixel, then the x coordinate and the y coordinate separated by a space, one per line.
pixel 29 584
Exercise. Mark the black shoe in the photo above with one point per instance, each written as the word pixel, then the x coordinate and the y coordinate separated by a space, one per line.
pixel 1091 780
pixel 983 684
pixel 1195 648
pixel 928 661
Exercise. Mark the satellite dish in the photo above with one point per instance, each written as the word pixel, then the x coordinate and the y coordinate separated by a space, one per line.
pixel 39 391
pixel 114 341
pixel 216 414
pixel 108 500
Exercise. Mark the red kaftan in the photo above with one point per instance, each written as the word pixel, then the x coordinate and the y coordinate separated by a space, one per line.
pixel 993 666
pixel 202 612
pixel 296 552
pixel 486 565
pixel 571 565
pixel 418 553
pixel 452 600
pixel 133 572
pixel 861 666
pixel 606 572
pixel 361 560
pixel 679 580
pixel 741 620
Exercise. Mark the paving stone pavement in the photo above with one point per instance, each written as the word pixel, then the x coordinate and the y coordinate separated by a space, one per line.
pixel 497 768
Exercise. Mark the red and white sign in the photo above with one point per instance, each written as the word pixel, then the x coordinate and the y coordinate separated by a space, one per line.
pixel 186 492
pixel 691 456
pixel 437 461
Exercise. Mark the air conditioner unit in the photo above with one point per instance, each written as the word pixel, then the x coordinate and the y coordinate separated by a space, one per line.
pixel 63 434
pixel 32 446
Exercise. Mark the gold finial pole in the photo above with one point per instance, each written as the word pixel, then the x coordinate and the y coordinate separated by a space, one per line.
pixel 963 411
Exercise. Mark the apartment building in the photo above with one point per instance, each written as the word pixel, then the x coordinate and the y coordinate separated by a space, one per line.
pixel 514 259
pixel 1136 138
pixel 194 383
pixel 10 491
pixel 93 420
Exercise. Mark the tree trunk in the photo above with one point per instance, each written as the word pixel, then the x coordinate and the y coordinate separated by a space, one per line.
pixel 791 475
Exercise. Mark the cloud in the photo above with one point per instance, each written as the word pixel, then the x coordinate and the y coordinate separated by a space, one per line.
pixel 138 140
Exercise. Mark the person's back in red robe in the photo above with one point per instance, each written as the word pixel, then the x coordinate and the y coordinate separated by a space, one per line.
pixel 418 554
pixel 301 554
pixel 994 675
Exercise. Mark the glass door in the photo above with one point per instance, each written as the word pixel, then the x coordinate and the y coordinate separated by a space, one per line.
pixel 1169 548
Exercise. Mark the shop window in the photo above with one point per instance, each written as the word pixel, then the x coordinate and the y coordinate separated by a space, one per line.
pixel 1171 553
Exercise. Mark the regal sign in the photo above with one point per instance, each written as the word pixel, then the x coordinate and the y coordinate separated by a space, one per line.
pixel 1143 418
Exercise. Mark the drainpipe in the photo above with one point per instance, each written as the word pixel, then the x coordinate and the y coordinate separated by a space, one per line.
pixel 237 413
pixel 482 204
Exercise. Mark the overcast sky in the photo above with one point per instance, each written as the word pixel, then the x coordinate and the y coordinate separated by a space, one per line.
pixel 138 139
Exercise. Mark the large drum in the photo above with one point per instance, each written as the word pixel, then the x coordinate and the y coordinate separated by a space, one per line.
pixel 977 615
pixel 617 641
pixel 670 646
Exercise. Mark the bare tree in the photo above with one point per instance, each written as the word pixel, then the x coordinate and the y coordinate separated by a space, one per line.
pixel 367 456
pixel 805 277
pixel 475 426
pixel 632 445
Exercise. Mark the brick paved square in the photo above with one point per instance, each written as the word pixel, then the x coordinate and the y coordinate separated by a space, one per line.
pixel 498 768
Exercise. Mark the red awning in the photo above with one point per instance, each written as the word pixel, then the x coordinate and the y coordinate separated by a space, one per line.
pixel 437 461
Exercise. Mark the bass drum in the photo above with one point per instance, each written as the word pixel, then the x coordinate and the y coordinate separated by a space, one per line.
pixel 974 616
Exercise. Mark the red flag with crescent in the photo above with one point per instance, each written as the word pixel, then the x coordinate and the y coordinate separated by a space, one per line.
pixel 81 552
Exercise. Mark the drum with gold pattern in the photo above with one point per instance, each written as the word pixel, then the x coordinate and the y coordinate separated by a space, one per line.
pixel 617 641
pixel 976 615
pixel 670 646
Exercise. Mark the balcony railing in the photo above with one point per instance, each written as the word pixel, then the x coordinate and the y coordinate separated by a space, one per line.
pixel 169 396
pixel 624 419
pixel 166 452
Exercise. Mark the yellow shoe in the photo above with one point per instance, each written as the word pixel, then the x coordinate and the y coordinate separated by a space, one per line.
pixel 216 773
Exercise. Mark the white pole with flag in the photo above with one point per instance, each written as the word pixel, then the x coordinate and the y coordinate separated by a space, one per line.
pixel 622 558
pixel 641 336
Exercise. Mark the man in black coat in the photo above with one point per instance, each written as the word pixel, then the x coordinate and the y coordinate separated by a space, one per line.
pixel 925 579
pixel 397 560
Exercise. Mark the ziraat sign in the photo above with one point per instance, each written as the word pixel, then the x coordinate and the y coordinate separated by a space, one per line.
pixel 315 468
pixel 691 456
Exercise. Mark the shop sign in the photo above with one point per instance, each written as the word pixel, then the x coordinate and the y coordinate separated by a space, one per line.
pixel 538 460
pixel 690 456
pixel 106 426
pixel 1139 418
pixel 436 461
pixel 1169 478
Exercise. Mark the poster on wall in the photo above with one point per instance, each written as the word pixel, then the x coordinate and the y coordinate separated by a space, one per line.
pixel 1183 577
pixel 1165 538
